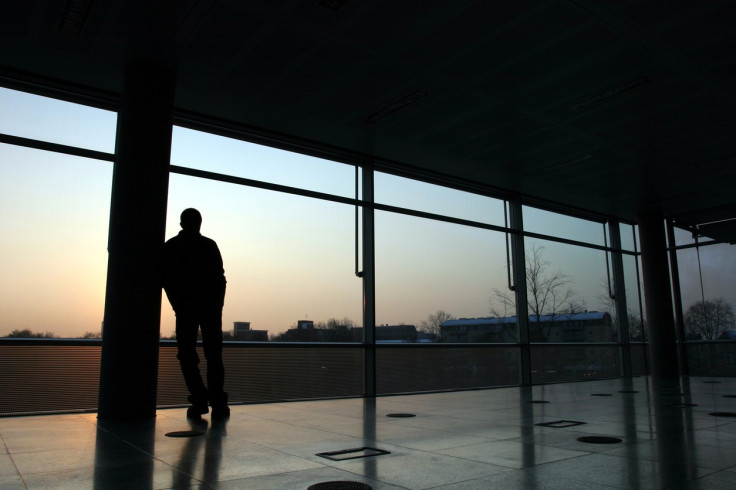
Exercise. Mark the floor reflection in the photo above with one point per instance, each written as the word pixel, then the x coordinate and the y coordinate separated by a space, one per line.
pixel 491 438
pixel 370 468
pixel 123 453
pixel 203 449
pixel 526 410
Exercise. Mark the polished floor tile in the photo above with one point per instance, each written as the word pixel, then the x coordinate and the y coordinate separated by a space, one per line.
pixel 512 454
pixel 667 438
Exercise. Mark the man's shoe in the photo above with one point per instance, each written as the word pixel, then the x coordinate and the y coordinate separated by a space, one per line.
pixel 220 412
pixel 196 412
pixel 198 408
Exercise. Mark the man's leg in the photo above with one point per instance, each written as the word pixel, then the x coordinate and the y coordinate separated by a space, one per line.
pixel 212 340
pixel 186 342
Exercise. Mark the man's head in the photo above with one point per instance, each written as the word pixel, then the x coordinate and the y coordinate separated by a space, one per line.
pixel 191 220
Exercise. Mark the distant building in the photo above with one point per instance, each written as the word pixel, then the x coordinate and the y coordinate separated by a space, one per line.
pixel 586 361
pixel 242 331
pixel 478 330
pixel 591 326
pixel 239 327
pixel 305 331
pixel 398 334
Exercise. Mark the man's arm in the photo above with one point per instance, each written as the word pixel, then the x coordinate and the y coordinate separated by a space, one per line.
pixel 223 281
pixel 168 275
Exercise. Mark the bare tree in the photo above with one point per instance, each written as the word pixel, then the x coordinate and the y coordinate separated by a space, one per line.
pixel 637 327
pixel 503 303
pixel 340 329
pixel 26 333
pixel 608 304
pixel 549 292
pixel 709 318
pixel 432 324
pixel 336 323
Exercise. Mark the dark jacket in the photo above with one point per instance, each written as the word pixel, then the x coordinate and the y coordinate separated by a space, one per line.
pixel 193 277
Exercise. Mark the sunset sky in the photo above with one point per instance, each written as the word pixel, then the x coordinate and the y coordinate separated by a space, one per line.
pixel 286 257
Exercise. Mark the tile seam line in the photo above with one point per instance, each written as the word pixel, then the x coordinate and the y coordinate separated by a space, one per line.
pixel 10 455
pixel 152 456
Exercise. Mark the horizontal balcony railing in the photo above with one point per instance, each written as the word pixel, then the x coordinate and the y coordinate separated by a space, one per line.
pixel 716 358
pixel 411 368
pixel 58 375
pixel 62 375
pixel 554 363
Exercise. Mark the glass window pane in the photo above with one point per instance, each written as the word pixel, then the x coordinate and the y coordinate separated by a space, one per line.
pixel 711 358
pixel 645 327
pixel 56 121
pixel 562 363
pixel 684 237
pixel 429 198
pixel 708 305
pixel 627 237
pixel 568 296
pixel 268 373
pixel 563 226
pixel 287 258
pixel 413 368
pixel 637 331
pixel 639 359
pixel 205 151
pixel 54 212
pixel 429 273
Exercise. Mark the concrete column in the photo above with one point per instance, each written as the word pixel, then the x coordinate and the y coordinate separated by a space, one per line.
pixel 130 334
pixel 658 298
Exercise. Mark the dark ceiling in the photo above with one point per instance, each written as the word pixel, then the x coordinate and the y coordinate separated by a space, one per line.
pixel 609 106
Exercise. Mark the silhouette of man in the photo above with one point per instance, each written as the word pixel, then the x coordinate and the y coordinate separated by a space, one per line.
pixel 194 281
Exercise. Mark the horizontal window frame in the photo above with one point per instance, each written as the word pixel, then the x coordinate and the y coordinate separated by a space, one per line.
pixel 56 148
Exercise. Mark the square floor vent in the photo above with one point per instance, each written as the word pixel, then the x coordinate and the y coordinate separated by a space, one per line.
pixel 559 424
pixel 354 453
